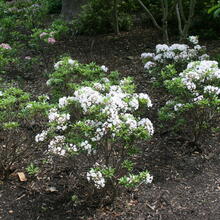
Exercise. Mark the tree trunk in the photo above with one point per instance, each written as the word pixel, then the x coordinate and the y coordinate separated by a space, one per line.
pixel 116 27
pixel 71 8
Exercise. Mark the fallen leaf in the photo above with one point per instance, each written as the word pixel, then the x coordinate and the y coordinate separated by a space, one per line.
pixel 22 177
pixel 52 189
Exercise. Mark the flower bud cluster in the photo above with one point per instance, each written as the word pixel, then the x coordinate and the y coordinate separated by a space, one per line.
pixel 5 46
pixel 48 37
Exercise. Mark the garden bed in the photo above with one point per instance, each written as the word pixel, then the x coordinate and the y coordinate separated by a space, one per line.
pixel 186 184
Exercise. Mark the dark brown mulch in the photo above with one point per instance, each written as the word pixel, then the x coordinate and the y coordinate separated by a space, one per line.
pixel 185 186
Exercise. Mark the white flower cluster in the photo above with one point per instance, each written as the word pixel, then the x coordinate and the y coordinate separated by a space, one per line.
pixel 61 62
pixel 200 78
pixel 88 97
pixel 114 106
pixel 133 179
pixel 149 65
pixel 86 146
pixel 59 118
pixel 104 68
pixel 99 86
pixel 147 55
pixel 41 137
pixel 64 101
pixel 149 179
pixel 199 72
pixel 176 53
pixel 57 145
pixel 147 124
pixel 96 177
pixel 193 39
pixel 178 106
pixel 212 90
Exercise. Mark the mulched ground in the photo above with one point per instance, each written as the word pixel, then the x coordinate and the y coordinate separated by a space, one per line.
pixel 185 186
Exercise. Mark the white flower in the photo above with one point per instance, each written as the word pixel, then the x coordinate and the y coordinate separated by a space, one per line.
pixel 161 48
pixel 159 57
pixel 134 103
pixel 197 47
pixel 64 101
pixel 29 106
pixel 104 68
pixel 177 107
pixel 41 137
pixel 1 93
pixel 59 118
pixel 99 86
pixel 212 90
pixel 96 177
pixel 57 65
pixel 73 147
pixel 87 98
pixel 149 179
pixel 147 55
pixel 48 83
pixel 147 124
pixel 146 98
pixel 72 62
pixel 56 145
pixel 204 57
pixel 149 65
pixel 86 146
pixel 198 98
pixel 193 39
pixel 169 55
pixel 179 47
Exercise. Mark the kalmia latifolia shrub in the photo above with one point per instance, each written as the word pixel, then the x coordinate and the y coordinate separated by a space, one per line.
pixel 160 64
pixel 69 74
pixel 17 118
pixel 97 128
pixel 194 109
pixel 57 30
pixel 6 56
pixel 17 17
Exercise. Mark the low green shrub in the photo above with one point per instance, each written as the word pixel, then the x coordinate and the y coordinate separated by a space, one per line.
pixel 17 118
pixel 70 74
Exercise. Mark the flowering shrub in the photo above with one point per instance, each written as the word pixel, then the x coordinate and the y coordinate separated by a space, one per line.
pixel 177 55
pixel 6 56
pixel 57 30
pixel 98 128
pixel 70 74
pixel 17 118
pixel 20 16
pixel 46 36
pixel 195 106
